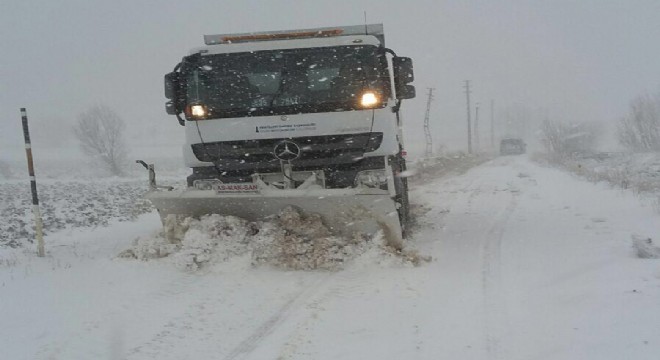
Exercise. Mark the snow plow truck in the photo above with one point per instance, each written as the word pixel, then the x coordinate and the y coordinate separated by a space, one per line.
pixel 308 118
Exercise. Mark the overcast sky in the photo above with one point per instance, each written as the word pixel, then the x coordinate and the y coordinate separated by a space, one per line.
pixel 571 60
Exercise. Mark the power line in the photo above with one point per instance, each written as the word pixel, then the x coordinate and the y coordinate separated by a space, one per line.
pixel 469 121
pixel 492 124
pixel 477 143
pixel 427 131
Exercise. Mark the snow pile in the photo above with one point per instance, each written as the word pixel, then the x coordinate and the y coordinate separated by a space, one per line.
pixel 291 241
pixel 192 243
pixel 213 239
pixel 303 242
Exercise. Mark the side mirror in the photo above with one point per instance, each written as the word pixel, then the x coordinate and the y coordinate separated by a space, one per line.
pixel 171 109
pixel 406 92
pixel 403 75
pixel 171 85
pixel 172 90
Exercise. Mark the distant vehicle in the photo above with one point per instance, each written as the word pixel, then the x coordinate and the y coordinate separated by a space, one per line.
pixel 512 146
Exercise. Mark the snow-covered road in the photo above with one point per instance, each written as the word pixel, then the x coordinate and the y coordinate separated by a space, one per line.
pixel 528 263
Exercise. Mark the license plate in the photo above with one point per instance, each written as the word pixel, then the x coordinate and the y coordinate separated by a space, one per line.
pixel 236 188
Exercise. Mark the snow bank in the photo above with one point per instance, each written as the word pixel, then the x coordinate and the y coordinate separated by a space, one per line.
pixel 291 240
pixel 425 169
pixel 639 172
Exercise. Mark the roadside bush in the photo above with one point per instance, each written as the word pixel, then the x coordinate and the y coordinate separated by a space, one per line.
pixel 100 132
pixel 5 170
pixel 640 130
pixel 564 139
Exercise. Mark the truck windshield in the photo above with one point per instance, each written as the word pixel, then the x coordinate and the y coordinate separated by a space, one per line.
pixel 285 81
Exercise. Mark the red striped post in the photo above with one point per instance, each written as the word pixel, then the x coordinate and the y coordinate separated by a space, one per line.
pixel 33 186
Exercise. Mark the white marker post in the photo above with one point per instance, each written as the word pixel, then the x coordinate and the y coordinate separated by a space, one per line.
pixel 33 185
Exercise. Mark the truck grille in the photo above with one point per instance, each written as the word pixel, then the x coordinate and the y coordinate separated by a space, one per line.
pixel 331 149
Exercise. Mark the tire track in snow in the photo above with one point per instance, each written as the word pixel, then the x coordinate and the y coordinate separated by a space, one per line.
pixel 342 285
pixel 178 327
pixel 496 316
pixel 202 326
pixel 250 343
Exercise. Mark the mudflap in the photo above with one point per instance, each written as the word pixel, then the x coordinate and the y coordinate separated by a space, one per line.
pixel 344 211
pixel 398 165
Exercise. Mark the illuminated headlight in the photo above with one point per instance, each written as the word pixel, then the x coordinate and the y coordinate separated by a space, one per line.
pixel 369 99
pixel 372 178
pixel 197 111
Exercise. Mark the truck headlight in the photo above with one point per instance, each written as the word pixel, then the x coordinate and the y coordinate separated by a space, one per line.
pixel 369 99
pixel 371 178
pixel 197 111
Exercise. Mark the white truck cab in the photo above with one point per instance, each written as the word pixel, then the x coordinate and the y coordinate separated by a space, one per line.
pixel 324 101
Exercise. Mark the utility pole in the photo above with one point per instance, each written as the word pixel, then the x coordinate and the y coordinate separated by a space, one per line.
pixel 476 128
pixel 427 131
pixel 492 124
pixel 469 124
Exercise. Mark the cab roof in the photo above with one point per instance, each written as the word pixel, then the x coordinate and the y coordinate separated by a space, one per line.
pixel 324 32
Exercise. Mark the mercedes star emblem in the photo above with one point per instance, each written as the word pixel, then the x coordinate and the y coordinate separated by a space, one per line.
pixel 287 150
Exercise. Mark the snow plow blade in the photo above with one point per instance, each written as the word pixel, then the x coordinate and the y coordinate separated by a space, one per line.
pixel 344 211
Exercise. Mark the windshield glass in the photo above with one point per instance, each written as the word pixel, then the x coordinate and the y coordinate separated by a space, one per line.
pixel 285 81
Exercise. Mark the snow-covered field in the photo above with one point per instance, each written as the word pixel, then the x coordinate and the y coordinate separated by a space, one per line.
pixel 68 204
pixel 528 262
pixel 74 192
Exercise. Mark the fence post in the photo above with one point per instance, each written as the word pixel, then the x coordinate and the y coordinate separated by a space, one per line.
pixel 33 185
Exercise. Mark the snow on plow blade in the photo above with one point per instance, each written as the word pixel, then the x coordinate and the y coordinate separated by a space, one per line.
pixel 344 211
